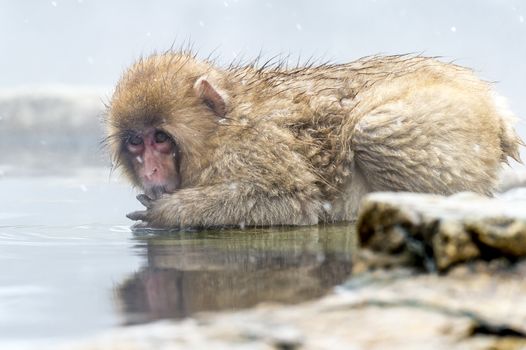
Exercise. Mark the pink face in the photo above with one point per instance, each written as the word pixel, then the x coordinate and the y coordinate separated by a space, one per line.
pixel 155 159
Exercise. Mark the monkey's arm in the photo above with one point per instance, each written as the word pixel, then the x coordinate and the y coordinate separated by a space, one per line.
pixel 234 204
pixel 251 185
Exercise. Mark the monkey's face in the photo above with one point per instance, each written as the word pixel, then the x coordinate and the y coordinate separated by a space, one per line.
pixel 162 120
pixel 154 157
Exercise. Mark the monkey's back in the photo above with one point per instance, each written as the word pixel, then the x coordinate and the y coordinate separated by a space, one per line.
pixel 406 123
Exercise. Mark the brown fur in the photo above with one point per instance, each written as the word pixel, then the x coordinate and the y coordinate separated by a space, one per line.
pixel 301 146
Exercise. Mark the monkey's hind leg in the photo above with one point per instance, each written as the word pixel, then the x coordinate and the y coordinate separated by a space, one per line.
pixel 437 149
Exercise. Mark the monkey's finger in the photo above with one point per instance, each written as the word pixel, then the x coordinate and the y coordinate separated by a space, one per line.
pixel 140 226
pixel 138 215
pixel 145 200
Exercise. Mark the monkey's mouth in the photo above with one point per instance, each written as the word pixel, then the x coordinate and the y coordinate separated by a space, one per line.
pixel 157 191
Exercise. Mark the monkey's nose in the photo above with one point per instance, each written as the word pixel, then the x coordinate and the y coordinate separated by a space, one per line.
pixel 151 175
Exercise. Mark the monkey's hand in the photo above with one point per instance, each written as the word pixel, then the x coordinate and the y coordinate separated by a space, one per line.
pixel 142 215
pixel 211 206
pixel 183 209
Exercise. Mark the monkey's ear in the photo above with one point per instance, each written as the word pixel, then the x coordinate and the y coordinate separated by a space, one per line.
pixel 210 96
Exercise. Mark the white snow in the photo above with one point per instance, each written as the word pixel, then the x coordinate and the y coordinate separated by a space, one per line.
pixel 453 29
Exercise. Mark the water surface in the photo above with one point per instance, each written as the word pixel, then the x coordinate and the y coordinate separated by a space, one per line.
pixel 70 267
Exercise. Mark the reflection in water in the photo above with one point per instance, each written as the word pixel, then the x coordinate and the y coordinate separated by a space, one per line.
pixel 189 272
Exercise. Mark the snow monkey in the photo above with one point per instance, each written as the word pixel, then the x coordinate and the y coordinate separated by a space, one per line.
pixel 256 145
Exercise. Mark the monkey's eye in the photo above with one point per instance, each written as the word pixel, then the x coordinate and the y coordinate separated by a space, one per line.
pixel 161 137
pixel 135 140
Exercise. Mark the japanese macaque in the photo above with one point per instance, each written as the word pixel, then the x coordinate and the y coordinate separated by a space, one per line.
pixel 259 146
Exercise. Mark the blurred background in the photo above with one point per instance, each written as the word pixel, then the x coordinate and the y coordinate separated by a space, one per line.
pixel 59 59
pixel 90 42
